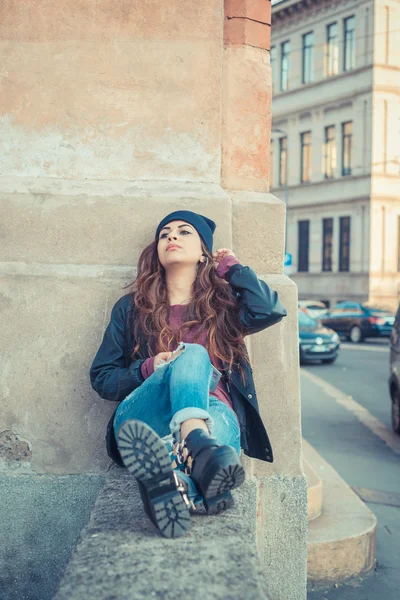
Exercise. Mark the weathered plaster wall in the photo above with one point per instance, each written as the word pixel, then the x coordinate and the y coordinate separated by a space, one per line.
pixel 102 103
pixel 152 68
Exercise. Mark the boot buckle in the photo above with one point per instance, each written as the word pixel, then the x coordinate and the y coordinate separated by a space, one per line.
pixel 183 457
pixel 181 489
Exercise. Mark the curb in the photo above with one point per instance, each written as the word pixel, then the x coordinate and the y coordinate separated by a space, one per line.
pixel 341 542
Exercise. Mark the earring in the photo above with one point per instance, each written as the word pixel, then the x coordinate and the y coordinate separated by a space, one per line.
pixel 204 259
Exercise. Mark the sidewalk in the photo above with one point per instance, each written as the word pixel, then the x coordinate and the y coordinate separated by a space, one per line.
pixel 363 460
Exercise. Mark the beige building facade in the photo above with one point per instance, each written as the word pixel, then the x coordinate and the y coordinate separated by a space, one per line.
pixel 336 145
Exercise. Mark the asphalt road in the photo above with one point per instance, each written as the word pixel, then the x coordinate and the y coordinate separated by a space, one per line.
pixel 346 417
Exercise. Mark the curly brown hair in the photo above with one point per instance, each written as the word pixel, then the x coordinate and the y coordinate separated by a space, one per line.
pixel 213 306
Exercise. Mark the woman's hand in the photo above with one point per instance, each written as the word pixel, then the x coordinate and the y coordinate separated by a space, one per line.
pixel 160 358
pixel 220 254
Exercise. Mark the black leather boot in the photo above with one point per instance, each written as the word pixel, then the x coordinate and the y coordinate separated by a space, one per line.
pixel 145 455
pixel 214 469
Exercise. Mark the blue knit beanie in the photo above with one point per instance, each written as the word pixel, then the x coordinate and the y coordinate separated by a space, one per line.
pixel 205 227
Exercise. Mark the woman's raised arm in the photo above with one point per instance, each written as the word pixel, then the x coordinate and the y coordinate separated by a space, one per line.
pixel 260 305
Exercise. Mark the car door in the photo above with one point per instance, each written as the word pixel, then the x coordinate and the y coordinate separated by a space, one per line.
pixel 332 319
pixel 394 378
pixel 395 337
pixel 351 315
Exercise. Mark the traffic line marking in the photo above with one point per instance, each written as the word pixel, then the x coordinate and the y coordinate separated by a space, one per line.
pixel 368 349
pixel 359 411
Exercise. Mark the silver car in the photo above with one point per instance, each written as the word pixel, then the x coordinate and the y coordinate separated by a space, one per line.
pixel 313 308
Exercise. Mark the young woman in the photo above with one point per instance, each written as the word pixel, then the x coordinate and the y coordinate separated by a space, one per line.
pixel 183 416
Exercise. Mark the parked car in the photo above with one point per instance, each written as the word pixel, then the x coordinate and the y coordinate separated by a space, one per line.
pixel 316 342
pixel 394 378
pixel 313 308
pixel 359 321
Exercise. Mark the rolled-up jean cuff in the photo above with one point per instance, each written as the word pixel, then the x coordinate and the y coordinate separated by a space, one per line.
pixel 191 412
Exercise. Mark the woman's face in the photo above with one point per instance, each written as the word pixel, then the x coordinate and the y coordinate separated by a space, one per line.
pixel 179 243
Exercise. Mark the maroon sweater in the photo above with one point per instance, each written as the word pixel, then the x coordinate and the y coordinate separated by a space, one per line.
pixel 176 319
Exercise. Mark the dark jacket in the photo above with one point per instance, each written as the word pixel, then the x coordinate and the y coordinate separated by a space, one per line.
pixel 114 375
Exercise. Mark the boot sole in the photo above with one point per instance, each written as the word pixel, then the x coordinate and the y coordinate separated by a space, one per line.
pixel 145 456
pixel 222 474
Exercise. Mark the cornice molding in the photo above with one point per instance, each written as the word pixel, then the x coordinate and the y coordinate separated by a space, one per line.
pixel 359 201
pixel 306 11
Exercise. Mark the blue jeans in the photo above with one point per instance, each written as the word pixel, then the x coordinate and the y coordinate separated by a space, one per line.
pixel 178 391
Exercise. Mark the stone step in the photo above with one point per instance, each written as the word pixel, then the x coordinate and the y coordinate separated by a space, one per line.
pixel 315 491
pixel 341 541
pixel 122 556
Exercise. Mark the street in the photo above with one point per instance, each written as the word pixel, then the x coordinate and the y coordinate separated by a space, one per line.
pixel 346 418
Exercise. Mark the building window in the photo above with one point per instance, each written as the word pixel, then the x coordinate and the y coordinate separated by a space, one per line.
pixel 398 244
pixel 285 59
pixel 385 135
pixel 327 244
pixel 387 34
pixel 344 244
pixel 303 245
pixel 347 135
pixel 273 57
pixel 330 152
pixel 308 57
pixel 306 166
pixel 283 161
pixel 332 50
pixel 349 55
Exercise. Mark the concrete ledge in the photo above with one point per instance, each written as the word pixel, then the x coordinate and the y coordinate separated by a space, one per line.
pixel 282 520
pixel 341 542
pixel 50 186
pixel 122 556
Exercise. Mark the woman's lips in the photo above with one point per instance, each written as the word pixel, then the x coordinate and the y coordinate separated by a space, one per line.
pixel 173 248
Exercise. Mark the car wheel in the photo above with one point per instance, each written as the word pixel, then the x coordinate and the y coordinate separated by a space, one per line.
pixel 356 335
pixel 329 361
pixel 396 412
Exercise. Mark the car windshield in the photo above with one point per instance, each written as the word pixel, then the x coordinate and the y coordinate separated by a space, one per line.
pixel 306 321
pixel 313 305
